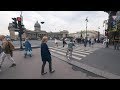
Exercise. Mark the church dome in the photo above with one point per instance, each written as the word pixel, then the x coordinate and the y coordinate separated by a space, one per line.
pixel 37 24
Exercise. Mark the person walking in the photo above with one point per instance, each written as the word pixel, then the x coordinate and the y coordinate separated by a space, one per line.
pixel 89 42
pixel 70 49
pixel 28 48
pixel 92 42
pixel 85 42
pixel 7 51
pixel 107 42
pixel 56 42
pixel 116 43
pixel 64 42
pixel 46 56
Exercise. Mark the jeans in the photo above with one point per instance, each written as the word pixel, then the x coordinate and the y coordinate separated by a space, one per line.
pixel 69 52
pixel 43 66
pixel 116 46
pixel 27 52
pixel 3 56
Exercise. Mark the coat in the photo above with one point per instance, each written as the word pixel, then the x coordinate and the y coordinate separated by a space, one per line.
pixel 27 46
pixel 45 53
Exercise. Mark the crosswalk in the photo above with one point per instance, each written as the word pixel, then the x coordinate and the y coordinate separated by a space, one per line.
pixel 79 52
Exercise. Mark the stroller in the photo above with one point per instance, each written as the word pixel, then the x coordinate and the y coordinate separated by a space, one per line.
pixel 27 50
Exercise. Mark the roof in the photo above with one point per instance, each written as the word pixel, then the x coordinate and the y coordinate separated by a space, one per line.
pixel 37 24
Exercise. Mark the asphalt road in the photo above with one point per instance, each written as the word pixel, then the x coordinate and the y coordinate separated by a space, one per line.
pixel 50 43
pixel 29 68
pixel 106 59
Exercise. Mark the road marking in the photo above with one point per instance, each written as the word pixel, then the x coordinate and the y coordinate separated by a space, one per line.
pixel 80 51
pixel 65 54
pixel 74 53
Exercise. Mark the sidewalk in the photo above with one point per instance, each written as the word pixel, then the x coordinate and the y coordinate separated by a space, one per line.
pixel 30 68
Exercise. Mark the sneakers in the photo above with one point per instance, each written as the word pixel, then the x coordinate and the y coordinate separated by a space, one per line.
pixel 44 73
pixel 13 65
pixel 52 71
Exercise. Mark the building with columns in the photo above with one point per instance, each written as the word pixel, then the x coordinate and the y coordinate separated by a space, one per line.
pixel 58 35
pixel 82 34
pixel 37 34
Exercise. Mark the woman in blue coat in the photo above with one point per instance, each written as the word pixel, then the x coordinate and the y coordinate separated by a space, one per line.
pixel 46 56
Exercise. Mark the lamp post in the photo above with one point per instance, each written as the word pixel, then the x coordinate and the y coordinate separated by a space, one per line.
pixel 42 23
pixel 20 34
pixel 86 25
pixel 98 35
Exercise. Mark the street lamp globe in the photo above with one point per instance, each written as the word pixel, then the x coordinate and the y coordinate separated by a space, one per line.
pixel 42 22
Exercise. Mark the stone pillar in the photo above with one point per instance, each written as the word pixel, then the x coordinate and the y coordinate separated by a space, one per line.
pixel 11 31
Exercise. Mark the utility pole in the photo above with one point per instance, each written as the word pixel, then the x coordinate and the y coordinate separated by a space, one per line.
pixel 86 25
pixel 21 31
pixel 20 34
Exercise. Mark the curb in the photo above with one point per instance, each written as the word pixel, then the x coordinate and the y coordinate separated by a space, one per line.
pixel 104 74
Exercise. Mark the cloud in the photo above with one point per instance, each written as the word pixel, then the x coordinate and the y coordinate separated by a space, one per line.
pixel 72 21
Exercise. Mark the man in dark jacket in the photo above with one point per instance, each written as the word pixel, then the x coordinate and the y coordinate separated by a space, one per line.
pixel 46 56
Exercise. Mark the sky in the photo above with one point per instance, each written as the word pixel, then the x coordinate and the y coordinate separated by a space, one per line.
pixel 55 21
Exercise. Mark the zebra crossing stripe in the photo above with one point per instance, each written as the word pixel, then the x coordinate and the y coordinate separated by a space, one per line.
pixel 72 53
pixel 81 52
pixel 86 50
pixel 65 54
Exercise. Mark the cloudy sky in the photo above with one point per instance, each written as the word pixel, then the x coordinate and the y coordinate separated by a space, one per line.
pixel 73 21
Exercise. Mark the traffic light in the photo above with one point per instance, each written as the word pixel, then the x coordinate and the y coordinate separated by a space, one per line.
pixel 14 22
pixel 19 22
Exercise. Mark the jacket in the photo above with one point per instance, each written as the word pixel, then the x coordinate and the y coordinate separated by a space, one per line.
pixel 45 53
pixel 27 46
pixel 10 45
pixel 70 45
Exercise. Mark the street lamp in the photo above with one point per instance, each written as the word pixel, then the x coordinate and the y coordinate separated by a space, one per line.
pixel 98 34
pixel 86 25
pixel 42 22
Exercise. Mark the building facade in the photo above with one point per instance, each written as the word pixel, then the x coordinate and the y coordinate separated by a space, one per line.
pixel 37 34
pixel 82 34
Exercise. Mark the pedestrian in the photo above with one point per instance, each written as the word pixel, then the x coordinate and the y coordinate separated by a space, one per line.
pixel 92 42
pixel 89 42
pixel 70 49
pixel 116 43
pixel 64 42
pixel 46 56
pixel 28 48
pixel 107 42
pixel 7 51
pixel 85 42
pixel 56 42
